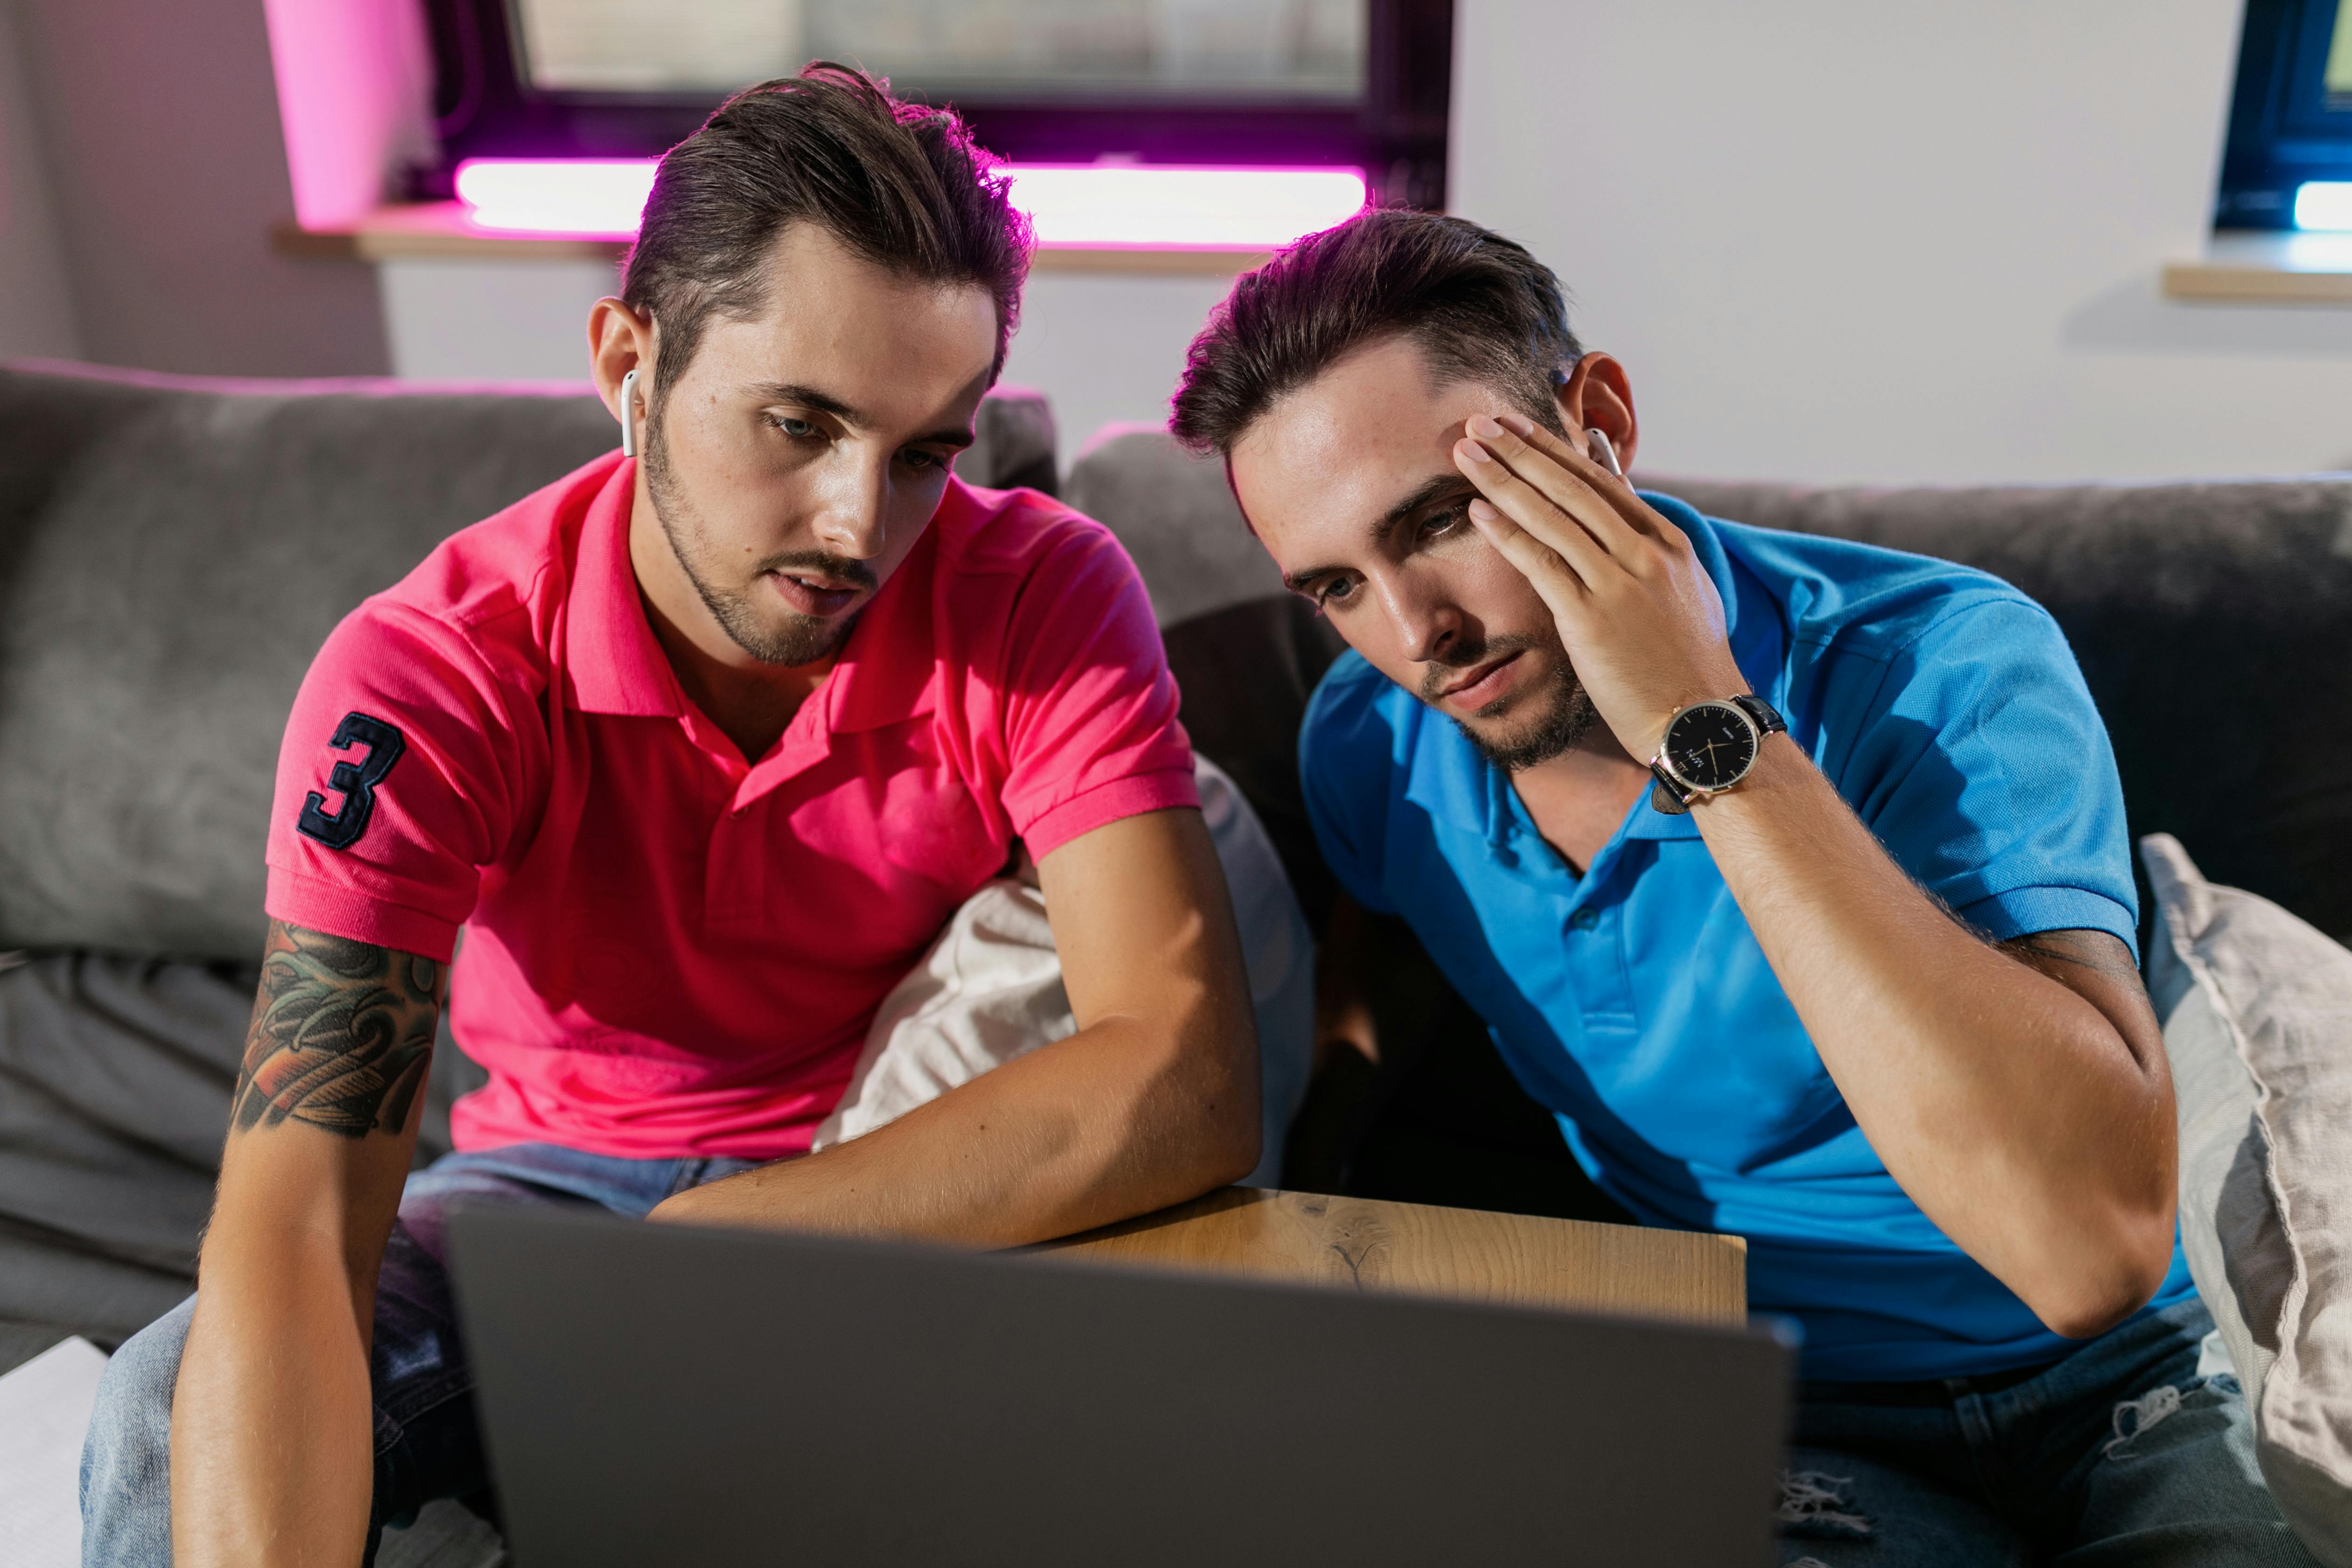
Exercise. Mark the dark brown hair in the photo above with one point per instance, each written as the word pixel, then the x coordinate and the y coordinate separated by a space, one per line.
pixel 901 186
pixel 1480 307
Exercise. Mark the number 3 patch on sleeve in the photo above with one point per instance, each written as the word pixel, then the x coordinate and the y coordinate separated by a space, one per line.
pixel 356 780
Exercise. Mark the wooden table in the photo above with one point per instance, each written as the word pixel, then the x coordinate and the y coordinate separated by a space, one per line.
pixel 1368 1244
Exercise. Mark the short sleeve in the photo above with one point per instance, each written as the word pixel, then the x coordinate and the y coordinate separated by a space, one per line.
pixel 1091 732
pixel 397 784
pixel 1345 771
pixel 1983 767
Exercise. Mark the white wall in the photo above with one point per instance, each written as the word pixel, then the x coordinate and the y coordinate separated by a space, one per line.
pixel 167 168
pixel 36 309
pixel 1895 239
pixel 494 319
pixel 1107 348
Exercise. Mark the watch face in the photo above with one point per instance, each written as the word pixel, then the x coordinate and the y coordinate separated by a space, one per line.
pixel 1711 745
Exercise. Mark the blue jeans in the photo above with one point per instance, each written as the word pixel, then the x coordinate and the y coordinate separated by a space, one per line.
pixel 2120 1454
pixel 426 1443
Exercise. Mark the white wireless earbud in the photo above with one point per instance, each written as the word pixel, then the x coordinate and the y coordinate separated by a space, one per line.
pixel 629 415
pixel 1603 452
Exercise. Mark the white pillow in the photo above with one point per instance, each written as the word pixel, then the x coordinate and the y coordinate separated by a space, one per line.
pixel 2257 1009
pixel 990 989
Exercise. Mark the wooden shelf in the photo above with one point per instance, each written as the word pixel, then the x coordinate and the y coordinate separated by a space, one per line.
pixel 442 230
pixel 2267 268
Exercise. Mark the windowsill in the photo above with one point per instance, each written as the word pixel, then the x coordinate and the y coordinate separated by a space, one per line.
pixel 2267 268
pixel 440 230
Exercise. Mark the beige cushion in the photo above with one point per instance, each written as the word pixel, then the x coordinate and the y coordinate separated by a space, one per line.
pixel 990 989
pixel 2257 1011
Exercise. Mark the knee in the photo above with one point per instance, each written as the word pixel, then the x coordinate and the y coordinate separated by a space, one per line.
pixel 126 1495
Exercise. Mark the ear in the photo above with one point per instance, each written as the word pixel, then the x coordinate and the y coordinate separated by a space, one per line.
pixel 620 340
pixel 1598 396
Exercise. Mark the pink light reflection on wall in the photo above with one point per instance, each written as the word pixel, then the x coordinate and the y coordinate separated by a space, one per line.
pixel 1088 204
pixel 355 99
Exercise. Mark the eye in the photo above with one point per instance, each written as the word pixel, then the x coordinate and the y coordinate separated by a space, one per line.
pixel 921 461
pixel 1338 591
pixel 1439 525
pixel 799 429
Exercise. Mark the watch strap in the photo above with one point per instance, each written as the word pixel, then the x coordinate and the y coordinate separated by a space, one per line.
pixel 1768 721
pixel 1665 795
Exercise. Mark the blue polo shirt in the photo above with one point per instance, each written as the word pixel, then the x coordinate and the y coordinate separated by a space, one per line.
pixel 1634 1002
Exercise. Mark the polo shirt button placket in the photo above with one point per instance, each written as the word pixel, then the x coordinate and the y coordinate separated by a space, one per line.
pixel 1584 919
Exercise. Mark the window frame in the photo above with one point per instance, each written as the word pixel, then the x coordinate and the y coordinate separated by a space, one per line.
pixel 484 108
pixel 2283 129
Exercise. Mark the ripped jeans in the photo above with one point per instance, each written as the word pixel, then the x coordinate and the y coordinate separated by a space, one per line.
pixel 2120 1454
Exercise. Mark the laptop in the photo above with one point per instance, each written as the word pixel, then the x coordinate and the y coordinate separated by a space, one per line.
pixel 655 1395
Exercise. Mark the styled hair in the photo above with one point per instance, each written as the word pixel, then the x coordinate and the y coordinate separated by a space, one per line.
pixel 899 185
pixel 1480 307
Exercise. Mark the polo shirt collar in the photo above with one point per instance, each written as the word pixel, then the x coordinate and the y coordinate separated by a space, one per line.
pixel 1454 784
pixel 887 671
pixel 614 662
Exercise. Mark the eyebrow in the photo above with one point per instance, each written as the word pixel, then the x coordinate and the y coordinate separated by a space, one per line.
pixel 826 402
pixel 1436 487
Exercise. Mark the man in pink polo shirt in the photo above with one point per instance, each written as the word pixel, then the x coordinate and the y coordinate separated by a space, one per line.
pixel 700 750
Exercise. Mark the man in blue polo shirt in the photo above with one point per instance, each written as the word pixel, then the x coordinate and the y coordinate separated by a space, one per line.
pixel 1788 873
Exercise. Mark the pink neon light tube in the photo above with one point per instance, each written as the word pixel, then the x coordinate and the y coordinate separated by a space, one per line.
pixel 1088 204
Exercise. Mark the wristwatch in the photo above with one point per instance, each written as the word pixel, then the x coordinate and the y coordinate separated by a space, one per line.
pixel 1709 747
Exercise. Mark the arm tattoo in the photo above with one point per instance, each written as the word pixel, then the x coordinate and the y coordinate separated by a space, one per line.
pixel 341 1035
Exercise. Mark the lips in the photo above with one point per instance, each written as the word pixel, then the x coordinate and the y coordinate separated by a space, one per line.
pixel 814 593
pixel 1484 684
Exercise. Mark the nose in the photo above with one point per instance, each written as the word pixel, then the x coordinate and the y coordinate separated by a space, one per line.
pixel 855 519
pixel 1425 623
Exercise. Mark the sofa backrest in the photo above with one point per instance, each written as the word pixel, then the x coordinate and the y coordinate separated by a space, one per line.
pixel 172 551
pixel 2210 620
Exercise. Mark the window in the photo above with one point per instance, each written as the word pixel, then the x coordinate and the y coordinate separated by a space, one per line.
pixel 2289 160
pixel 1355 83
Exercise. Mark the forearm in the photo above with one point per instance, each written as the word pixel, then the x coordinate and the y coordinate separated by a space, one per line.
pixel 1106 1124
pixel 273 1435
pixel 273 1428
pixel 2010 1108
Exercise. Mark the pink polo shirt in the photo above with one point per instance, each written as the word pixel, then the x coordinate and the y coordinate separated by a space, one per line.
pixel 669 952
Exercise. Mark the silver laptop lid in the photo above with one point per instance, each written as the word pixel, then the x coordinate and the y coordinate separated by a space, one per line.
pixel 653 1394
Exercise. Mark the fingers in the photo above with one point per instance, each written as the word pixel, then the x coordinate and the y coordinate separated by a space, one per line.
pixel 1555 583
pixel 1603 502
pixel 1519 509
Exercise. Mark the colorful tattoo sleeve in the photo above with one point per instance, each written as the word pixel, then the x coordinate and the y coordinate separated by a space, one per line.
pixel 341 1035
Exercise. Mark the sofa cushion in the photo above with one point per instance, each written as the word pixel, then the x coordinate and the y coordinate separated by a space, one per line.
pixel 172 554
pixel 1175 515
pixel 990 989
pixel 2257 1012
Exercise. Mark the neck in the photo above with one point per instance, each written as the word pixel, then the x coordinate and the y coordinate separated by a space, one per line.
pixel 751 702
pixel 1578 798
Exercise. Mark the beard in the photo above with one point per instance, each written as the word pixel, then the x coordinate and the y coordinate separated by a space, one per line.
pixel 1552 716
pixel 789 639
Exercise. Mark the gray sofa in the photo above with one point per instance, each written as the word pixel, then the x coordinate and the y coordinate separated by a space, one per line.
pixel 172 551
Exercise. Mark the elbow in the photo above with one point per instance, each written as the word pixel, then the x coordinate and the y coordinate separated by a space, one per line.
pixel 2102 1285
pixel 1232 1141
pixel 1231 1137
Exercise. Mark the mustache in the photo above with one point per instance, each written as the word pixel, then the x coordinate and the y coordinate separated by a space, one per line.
pixel 1462 656
pixel 840 568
